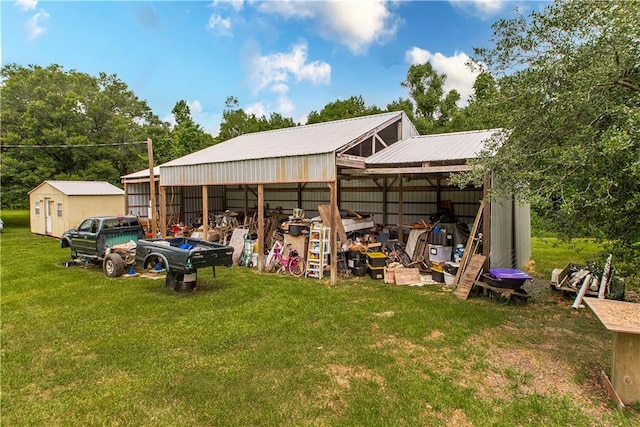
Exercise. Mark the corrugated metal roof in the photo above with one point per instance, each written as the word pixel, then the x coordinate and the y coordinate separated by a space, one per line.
pixel 430 148
pixel 296 141
pixel 144 173
pixel 85 188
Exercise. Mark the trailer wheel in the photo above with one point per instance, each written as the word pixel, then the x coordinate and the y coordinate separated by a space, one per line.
pixel 174 280
pixel 113 265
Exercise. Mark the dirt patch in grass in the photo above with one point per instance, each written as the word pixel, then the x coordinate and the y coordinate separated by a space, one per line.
pixel 513 372
pixel 343 376
pixel 505 363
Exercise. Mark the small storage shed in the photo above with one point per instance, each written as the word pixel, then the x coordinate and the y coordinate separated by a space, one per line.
pixel 56 206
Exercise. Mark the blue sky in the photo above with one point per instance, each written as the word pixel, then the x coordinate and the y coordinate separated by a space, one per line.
pixel 289 57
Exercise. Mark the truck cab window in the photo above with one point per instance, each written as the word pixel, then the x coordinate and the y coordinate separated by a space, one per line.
pixel 86 225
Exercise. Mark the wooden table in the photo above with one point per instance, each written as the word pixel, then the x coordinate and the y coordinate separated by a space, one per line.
pixel 623 320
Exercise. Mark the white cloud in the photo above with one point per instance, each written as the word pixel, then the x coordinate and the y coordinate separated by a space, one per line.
pixel 275 70
pixel 26 5
pixel 285 105
pixel 233 4
pixel 459 76
pixel 356 24
pixel 483 8
pixel 280 88
pixel 34 27
pixel 219 25
pixel 256 108
pixel 195 107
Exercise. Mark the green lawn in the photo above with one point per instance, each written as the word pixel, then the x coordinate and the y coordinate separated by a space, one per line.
pixel 549 253
pixel 248 349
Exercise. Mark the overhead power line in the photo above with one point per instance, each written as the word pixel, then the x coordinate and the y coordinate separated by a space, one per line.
pixel 71 146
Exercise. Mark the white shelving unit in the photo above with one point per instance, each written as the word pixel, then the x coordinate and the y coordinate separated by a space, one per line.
pixel 319 250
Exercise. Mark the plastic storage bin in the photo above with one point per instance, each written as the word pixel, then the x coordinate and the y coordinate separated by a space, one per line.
pixel 439 253
pixel 376 259
pixel 437 276
pixel 376 272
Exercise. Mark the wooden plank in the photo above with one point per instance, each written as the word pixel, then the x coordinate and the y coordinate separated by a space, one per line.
pixel 610 390
pixel 325 214
pixel 407 276
pixel 502 291
pixel 616 316
pixel 473 270
pixel 470 245
pixel 299 243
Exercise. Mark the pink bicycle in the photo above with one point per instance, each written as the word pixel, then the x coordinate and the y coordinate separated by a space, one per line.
pixel 293 263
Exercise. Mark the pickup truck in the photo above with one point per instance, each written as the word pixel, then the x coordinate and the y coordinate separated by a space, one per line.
pixel 181 257
pixel 119 241
pixel 104 238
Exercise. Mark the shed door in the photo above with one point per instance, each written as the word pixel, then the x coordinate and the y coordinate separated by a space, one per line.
pixel 48 223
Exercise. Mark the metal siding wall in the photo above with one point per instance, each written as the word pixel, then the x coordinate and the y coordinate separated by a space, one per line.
pixel 313 167
pixel 418 204
pixel 138 199
pixel 312 195
pixel 523 233
pixel 501 231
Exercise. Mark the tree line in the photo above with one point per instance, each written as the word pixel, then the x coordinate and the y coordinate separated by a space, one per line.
pixel 68 125
pixel 563 82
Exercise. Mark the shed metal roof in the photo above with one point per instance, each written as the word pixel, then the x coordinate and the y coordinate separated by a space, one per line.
pixel 431 148
pixel 83 188
pixel 295 141
pixel 144 173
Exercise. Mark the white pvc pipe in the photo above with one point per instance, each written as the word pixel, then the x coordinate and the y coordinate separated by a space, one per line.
pixel 605 277
pixel 583 289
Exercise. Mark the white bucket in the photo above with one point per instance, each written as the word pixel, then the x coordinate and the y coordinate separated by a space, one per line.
pixel 448 279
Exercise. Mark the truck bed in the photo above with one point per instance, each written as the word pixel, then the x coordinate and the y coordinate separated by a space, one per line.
pixel 183 254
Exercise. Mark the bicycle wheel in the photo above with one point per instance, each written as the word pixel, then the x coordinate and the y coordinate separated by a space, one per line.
pixel 297 266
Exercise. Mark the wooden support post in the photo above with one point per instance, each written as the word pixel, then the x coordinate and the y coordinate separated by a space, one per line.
pixel 400 215
pixel 333 241
pixel 260 227
pixel 126 199
pixel 163 211
pixel 205 212
pixel 385 209
pixel 152 189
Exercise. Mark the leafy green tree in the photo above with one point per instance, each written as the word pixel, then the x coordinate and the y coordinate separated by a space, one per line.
pixel 402 104
pixel 434 108
pixel 59 124
pixel 236 122
pixel 484 110
pixel 346 109
pixel 186 136
pixel 569 76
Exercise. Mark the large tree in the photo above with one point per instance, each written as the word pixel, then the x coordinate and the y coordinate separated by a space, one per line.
pixel 59 124
pixel 342 109
pixel 186 136
pixel 434 108
pixel 569 78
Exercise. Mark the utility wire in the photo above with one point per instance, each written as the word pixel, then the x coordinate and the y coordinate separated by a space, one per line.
pixel 72 146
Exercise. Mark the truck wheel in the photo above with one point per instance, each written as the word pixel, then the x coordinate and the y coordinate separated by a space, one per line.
pixel 113 265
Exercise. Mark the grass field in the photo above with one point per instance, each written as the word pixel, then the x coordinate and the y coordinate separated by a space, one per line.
pixel 248 349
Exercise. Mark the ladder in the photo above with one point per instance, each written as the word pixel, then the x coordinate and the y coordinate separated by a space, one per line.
pixel 318 251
